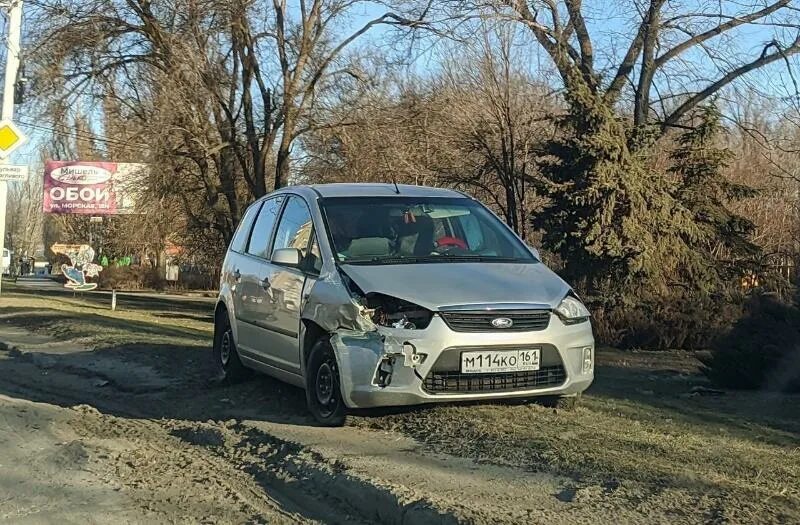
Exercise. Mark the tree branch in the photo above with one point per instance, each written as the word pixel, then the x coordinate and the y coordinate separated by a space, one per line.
pixel 764 59
pixel 626 66
pixel 584 40
pixel 718 30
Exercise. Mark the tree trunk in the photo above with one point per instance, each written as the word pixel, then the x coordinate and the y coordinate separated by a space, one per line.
pixel 282 166
pixel 511 206
pixel 642 96
pixel 283 161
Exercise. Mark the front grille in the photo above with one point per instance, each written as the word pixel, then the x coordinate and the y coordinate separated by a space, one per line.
pixel 524 320
pixel 458 383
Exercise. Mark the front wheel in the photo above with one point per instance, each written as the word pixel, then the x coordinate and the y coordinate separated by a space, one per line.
pixel 323 391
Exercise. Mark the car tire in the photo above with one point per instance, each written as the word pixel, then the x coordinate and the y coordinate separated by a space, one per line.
pixel 226 357
pixel 566 403
pixel 323 393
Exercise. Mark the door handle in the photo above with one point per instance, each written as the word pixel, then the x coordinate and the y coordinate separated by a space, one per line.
pixel 237 276
pixel 265 284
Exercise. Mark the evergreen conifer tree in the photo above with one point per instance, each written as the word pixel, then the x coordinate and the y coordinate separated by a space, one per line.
pixel 698 164
pixel 614 220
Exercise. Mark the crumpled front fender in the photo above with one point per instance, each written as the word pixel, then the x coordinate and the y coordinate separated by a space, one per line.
pixel 359 344
pixel 332 307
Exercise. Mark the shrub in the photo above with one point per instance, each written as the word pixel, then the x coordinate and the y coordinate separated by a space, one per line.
pixel 761 351
pixel 130 278
pixel 672 322
pixel 196 281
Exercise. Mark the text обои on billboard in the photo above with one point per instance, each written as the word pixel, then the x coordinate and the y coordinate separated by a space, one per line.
pixel 91 188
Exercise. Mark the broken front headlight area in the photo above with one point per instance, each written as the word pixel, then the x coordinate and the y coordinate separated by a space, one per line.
pixel 392 312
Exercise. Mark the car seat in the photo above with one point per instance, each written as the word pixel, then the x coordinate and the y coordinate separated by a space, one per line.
pixel 373 238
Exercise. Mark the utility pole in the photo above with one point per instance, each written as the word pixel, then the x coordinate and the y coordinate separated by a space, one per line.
pixel 13 47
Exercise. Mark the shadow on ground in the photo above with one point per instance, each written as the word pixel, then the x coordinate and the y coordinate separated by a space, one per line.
pixel 88 325
pixel 133 367
pixel 154 381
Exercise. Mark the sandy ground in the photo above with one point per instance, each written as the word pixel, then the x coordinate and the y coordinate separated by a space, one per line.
pixel 118 419
pixel 46 474
pixel 156 445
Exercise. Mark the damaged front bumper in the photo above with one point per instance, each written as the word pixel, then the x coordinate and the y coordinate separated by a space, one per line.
pixel 395 367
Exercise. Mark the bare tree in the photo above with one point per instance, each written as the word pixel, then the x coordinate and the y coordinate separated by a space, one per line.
pixel 388 135
pixel 766 144
pixel 497 118
pixel 262 63
pixel 678 55
pixel 24 217
pixel 213 94
pixel 477 125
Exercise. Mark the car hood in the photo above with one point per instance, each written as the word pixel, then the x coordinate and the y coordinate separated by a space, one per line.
pixel 437 286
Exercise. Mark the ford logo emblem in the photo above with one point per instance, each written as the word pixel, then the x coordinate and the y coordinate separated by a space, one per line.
pixel 502 322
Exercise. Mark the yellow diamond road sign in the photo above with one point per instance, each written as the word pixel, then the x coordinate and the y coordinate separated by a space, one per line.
pixel 11 138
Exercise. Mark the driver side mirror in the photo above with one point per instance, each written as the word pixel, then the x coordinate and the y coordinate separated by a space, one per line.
pixel 291 257
pixel 535 253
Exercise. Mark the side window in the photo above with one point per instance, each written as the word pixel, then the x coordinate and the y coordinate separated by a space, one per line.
pixel 295 228
pixel 262 231
pixel 239 241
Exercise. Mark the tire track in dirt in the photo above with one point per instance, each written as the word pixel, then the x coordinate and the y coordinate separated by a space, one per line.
pixel 227 465
pixel 168 476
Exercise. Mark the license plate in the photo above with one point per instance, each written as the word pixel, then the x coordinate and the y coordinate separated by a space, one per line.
pixel 493 361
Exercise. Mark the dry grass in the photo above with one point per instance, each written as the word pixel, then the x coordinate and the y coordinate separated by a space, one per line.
pixel 90 321
pixel 640 427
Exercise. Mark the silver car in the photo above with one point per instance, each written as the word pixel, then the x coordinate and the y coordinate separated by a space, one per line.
pixel 373 295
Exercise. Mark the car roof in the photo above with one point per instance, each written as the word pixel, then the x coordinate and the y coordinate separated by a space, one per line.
pixel 380 190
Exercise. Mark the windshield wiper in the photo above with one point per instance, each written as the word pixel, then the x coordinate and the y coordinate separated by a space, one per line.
pixel 396 259
pixel 445 258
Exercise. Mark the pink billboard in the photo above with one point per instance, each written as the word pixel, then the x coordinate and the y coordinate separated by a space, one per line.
pixel 90 188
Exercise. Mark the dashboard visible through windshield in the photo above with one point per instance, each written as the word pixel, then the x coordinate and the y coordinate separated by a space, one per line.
pixel 403 230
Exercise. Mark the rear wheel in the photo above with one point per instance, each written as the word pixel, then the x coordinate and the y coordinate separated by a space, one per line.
pixel 226 358
pixel 323 391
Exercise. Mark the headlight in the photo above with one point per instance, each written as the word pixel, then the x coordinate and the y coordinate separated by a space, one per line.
pixel 572 311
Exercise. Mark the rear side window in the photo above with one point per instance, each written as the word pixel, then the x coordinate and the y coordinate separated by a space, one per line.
pixel 262 231
pixel 239 241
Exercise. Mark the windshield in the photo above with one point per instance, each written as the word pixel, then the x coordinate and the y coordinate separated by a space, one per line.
pixel 398 230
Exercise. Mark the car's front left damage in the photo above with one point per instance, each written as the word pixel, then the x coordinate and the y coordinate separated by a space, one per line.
pixel 373 334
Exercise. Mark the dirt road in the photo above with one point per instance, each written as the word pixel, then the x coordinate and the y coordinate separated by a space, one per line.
pixel 190 451
pixel 116 417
